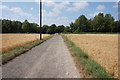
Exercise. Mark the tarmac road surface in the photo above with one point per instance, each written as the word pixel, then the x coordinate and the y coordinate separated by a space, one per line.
pixel 51 59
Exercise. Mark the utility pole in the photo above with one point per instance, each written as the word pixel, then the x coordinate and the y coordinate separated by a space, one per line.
pixel 40 19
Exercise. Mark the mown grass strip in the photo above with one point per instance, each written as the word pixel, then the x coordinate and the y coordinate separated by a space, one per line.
pixel 91 66
pixel 9 55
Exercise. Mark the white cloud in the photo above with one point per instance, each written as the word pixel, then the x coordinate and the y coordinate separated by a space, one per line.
pixel 31 8
pixel 52 16
pixel 52 3
pixel 38 1
pixel 18 13
pixel 57 7
pixel 58 21
pixel 78 5
pixel 100 7
pixel 49 3
pixel 16 10
pixel 94 14
pixel 3 7
pixel 63 20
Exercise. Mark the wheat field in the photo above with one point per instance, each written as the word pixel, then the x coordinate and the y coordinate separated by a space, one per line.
pixel 10 41
pixel 103 48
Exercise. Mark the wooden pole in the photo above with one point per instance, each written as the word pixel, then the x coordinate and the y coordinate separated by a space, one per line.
pixel 40 19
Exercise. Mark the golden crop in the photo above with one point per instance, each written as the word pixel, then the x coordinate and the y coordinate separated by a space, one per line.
pixel 103 48
pixel 10 41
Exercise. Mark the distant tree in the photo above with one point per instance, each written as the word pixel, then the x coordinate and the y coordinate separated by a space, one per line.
pixel 26 26
pixel 51 29
pixel 82 23
pixel 67 29
pixel 7 26
pixel 118 26
pixel 19 27
pixel 90 22
pixel 60 29
pixel 108 23
pixel 98 23
pixel 38 29
pixel 14 26
pixel 77 30
pixel 4 28
pixel 72 27
pixel 33 28
pixel 44 29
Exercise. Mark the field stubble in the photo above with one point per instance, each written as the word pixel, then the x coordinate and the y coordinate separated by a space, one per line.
pixel 103 48
pixel 10 41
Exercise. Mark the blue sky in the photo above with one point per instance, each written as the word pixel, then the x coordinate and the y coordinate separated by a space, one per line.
pixel 56 12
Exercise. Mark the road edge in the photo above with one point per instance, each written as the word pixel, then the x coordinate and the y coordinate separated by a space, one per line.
pixel 81 58
pixel 24 50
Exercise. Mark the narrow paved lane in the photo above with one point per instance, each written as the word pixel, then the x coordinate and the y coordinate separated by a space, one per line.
pixel 50 59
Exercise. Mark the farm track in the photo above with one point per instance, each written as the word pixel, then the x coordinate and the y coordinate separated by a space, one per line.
pixel 51 59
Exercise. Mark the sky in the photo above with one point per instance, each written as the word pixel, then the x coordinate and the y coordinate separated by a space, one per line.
pixel 59 13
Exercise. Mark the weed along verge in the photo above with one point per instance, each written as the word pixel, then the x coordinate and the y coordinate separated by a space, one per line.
pixel 11 54
pixel 91 66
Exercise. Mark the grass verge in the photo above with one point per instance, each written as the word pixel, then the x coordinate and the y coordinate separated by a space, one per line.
pixel 9 55
pixel 91 66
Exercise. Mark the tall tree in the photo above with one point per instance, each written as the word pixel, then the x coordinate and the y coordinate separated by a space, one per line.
pixel 108 23
pixel 33 28
pixel 26 26
pixel 67 29
pixel 44 29
pixel 14 26
pixel 72 27
pixel 60 29
pixel 51 29
pixel 19 27
pixel 7 26
pixel 82 23
pixel 98 23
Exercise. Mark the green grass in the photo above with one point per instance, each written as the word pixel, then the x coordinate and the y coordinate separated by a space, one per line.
pixel 8 55
pixel 91 66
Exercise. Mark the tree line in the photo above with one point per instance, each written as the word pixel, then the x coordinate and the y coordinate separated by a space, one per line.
pixel 9 26
pixel 100 23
